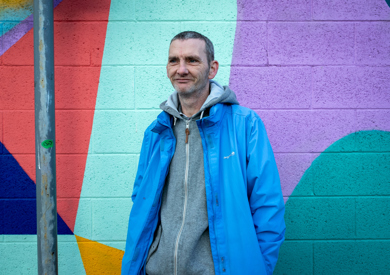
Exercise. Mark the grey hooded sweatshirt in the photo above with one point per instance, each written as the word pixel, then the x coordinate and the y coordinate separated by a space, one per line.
pixel 181 242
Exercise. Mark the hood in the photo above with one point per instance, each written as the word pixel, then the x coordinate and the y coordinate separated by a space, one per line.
pixel 218 94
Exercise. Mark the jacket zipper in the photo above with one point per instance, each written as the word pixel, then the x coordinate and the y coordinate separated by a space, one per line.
pixel 185 195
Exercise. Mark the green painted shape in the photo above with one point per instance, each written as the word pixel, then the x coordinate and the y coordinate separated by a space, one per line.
pixel 132 85
pixel 341 207
pixel 48 143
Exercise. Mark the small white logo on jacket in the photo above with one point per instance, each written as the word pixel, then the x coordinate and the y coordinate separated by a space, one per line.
pixel 232 154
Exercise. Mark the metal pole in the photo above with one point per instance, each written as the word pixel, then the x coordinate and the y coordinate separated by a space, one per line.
pixel 45 153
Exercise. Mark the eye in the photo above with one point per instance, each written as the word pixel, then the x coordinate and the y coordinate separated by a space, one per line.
pixel 172 60
pixel 192 60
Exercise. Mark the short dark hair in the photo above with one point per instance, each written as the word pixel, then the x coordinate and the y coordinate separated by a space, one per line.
pixel 195 35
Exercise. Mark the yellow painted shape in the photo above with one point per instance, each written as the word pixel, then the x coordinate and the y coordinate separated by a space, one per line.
pixel 99 258
pixel 16 3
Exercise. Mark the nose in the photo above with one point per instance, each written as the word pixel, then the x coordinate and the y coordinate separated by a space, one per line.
pixel 182 70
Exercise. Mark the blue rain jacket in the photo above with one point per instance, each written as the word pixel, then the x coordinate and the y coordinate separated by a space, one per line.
pixel 244 200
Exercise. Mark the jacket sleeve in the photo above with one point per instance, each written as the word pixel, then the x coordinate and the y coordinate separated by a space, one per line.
pixel 266 199
pixel 142 166
pixel 142 163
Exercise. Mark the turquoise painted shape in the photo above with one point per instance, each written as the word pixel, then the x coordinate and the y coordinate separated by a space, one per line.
pixel 14 15
pixel 19 255
pixel 339 213
pixel 353 165
pixel 132 84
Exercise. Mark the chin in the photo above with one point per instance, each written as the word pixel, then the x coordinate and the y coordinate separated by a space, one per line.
pixel 184 91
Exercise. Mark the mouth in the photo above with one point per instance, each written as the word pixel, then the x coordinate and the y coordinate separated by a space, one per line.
pixel 180 80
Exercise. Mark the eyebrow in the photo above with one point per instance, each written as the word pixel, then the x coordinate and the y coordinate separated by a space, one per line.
pixel 187 57
pixel 193 57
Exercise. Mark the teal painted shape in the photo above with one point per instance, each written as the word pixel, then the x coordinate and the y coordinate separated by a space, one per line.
pixel 353 165
pixel 19 255
pixel 339 213
pixel 176 10
pixel 13 15
pixel 69 257
pixel 295 258
pixel 132 85
pixel 352 257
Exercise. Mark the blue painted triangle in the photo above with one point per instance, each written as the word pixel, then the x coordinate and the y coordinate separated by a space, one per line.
pixel 18 199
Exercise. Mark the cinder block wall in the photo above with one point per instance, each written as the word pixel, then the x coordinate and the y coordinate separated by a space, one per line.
pixel 317 72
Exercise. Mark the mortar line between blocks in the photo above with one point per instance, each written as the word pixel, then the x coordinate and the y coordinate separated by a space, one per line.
pixel 354 43
pixel 311 18
pixel 310 21
pixel 134 91
pixel 135 13
pixel 313 258
pixel 91 203
pixel 313 109
pixel 374 196
pixel 355 219
pixel 311 88
pixel 267 44
pixel 338 240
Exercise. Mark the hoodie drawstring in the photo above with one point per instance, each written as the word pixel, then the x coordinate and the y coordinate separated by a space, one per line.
pixel 201 114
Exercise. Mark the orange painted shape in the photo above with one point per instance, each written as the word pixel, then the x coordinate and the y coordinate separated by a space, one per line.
pixel 78 55
pixel 99 258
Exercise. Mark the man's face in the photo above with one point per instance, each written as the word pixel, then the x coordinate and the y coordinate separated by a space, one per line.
pixel 187 66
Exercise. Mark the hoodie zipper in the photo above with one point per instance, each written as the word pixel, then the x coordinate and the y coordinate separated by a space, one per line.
pixel 185 195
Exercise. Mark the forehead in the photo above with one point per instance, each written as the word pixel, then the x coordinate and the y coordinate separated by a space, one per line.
pixel 188 47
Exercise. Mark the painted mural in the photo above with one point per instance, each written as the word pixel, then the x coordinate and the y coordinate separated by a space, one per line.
pixel 317 72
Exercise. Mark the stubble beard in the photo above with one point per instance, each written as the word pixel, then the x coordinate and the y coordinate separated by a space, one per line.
pixel 194 91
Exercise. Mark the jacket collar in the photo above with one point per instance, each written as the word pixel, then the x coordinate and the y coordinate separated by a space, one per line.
pixel 165 120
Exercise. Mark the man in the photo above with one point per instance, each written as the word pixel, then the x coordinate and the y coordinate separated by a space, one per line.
pixel 207 196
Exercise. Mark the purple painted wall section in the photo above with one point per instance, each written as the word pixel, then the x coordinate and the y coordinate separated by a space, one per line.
pixel 315 71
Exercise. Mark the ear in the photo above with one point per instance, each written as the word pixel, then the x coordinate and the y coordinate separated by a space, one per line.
pixel 214 65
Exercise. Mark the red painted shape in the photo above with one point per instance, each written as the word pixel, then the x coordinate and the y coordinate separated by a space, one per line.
pixel 68 95
pixel 16 87
pixel 18 136
pixel 78 55
pixel 71 131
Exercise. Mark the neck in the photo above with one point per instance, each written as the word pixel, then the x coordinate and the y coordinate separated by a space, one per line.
pixel 191 104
